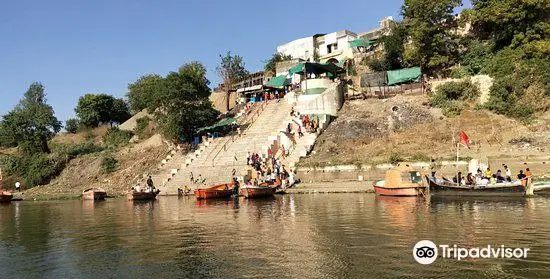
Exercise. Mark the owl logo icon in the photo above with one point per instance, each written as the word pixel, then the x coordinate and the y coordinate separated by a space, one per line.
pixel 425 252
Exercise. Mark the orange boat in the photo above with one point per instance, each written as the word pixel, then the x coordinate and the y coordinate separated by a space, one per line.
pixel 94 194
pixel 5 196
pixel 401 181
pixel 215 192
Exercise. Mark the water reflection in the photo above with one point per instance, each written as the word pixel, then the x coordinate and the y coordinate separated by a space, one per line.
pixel 290 236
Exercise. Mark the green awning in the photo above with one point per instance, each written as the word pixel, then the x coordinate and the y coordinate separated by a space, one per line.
pixel 277 82
pixel 316 68
pixel 297 69
pixel 404 75
pixel 361 42
pixel 221 123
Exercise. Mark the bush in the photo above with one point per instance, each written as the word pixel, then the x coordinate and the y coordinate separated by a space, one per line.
pixel 40 169
pixel 116 137
pixel 142 127
pixel 71 125
pixel 451 96
pixel 395 158
pixel 108 164
pixel 459 72
pixel 73 150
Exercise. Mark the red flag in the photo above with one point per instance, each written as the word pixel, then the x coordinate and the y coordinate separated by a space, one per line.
pixel 464 139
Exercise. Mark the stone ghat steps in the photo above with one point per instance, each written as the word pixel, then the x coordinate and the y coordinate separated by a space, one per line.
pixel 215 164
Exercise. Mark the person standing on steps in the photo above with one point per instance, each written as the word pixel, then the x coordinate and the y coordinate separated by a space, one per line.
pixel 18 186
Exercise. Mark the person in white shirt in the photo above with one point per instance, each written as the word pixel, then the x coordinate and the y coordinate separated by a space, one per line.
pixel 508 173
pixel 18 186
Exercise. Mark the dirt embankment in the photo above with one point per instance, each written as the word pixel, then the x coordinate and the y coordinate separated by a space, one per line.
pixel 134 161
pixel 379 131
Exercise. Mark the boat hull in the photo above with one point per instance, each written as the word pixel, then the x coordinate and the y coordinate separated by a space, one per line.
pixel 142 196
pixel 94 194
pixel 510 190
pixel 258 192
pixel 216 192
pixel 6 196
pixel 398 192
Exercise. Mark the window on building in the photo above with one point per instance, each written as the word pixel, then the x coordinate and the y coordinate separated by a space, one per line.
pixel 332 47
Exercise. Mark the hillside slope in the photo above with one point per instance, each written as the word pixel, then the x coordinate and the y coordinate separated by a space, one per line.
pixel 373 130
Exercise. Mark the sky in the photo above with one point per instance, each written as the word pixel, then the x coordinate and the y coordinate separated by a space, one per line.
pixel 100 46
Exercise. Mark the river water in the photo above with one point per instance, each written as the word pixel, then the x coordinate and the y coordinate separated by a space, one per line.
pixel 290 236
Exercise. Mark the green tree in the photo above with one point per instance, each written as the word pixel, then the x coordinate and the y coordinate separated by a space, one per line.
pixel 430 24
pixel 394 46
pixel 231 70
pixel 96 109
pixel 31 124
pixel 71 125
pixel 512 22
pixel 271 63
pixel 184 106
pixel 145 92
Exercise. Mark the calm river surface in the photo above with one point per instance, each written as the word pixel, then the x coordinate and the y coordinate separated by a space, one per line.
pixel 291 236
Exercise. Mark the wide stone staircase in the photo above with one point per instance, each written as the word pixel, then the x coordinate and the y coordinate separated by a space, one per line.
pixel 215 161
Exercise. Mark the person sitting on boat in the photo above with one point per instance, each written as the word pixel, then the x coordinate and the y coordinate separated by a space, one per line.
pixel 470 179
pixel 488 174
pixel 458 178
pixel 499 177
pixel 493 179
pixel 508 173
pixel 137 188
pixel 433 167
pixel 521 175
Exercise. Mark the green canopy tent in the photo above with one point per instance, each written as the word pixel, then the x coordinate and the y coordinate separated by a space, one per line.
pixel 361 42
pixel 404 75
pixel 315 68
pixel 221 123
pixel 278 82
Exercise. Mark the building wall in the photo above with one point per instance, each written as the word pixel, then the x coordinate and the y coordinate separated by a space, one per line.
pixel 301 48
pixel 341 39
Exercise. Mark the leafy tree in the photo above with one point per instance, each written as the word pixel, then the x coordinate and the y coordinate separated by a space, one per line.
pixel 96 109
pixel 184 105
pixel 71 125
pixel 271 63
pixel 145 92
pixel 430 24
pixel 511 22
pixel 230 70
pixel 31 124
pixel 394 46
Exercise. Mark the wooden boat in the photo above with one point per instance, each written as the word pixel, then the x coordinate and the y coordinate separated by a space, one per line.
pixel 5 196
pixel 250 191
pixel 401 181
pixel 541 187
pixel 444 187
pixel 94 194
pixel 142 195
pixel 215 192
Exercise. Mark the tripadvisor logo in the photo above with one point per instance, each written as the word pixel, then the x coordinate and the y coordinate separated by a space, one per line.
pixel 426 252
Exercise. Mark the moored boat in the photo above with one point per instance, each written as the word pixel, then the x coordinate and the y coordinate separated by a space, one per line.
pixel 94 194
pixel 215 192
pixel 541 187
pixel 142 195
pixel 400 181
pixel 444 187
pixel 5 196
pixel 251 191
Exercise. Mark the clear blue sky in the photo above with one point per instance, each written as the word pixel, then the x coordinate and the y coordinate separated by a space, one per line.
pixel 99 46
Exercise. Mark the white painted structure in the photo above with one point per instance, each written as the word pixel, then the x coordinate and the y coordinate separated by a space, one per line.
pixel 335 45
pixel 301 48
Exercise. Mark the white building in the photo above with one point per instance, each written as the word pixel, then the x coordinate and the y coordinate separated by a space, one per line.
pixel 303 48
pixel 335 46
